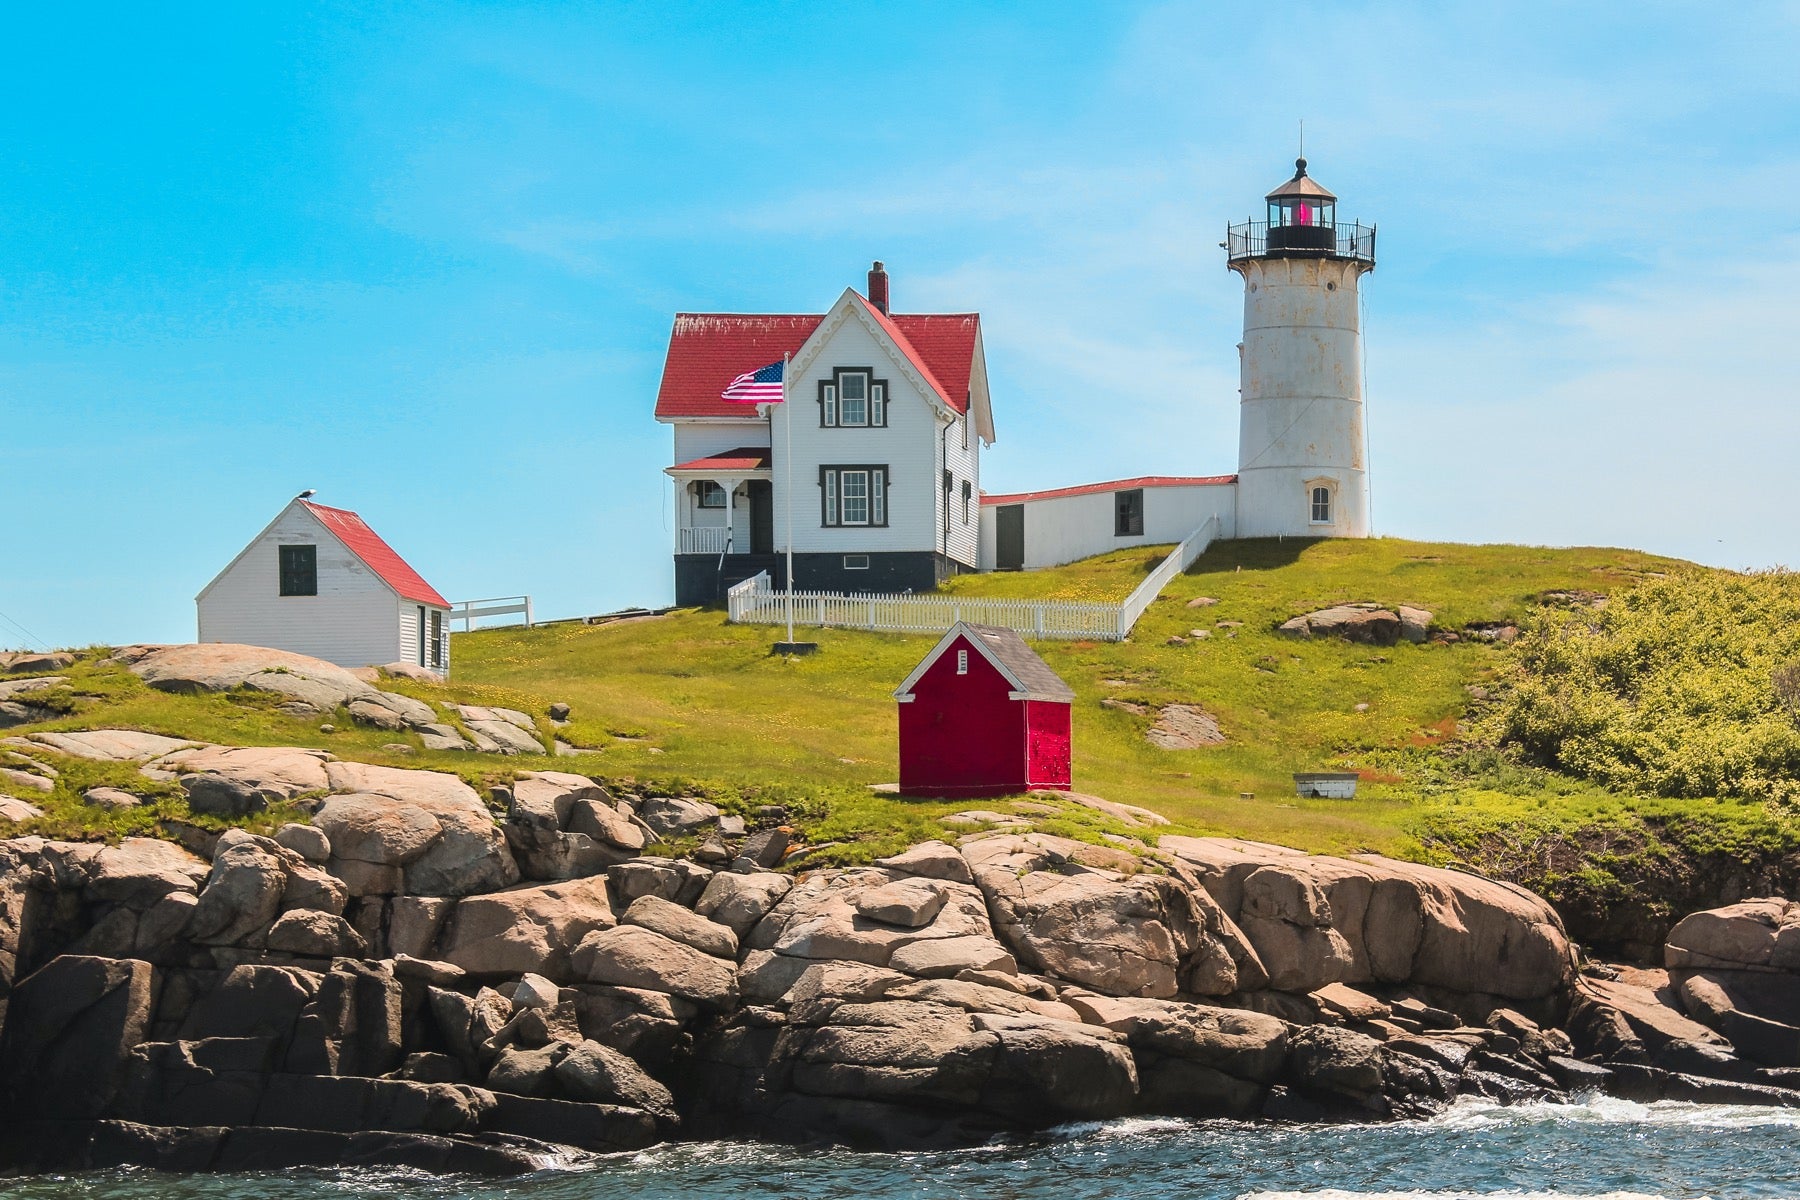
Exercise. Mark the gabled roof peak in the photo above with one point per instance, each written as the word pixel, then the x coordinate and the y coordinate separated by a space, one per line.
pixel 1030 676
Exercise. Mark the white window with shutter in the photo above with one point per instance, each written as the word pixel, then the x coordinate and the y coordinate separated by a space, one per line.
pixel 853 399
pixel 853 495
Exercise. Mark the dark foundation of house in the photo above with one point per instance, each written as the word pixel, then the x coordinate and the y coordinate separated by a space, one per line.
pixel 705 578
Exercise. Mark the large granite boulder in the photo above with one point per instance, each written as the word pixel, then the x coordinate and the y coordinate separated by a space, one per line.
pixel 1317 920
pixel 400 832
pixel 70 1027
pixel 273 774
pixel 243 893
pixel 1120 934
pixel 110 745
pixel 220 667
pixel 1363 622
pixel 633 956
pixel 1748 935
pixel 138 872
pixel 305 684
pixel 1736 970
pixel 738 902
pixel 563 826
pixel 525 929
pixel 818 919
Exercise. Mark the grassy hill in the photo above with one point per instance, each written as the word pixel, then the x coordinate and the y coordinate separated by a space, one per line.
pixel 693 702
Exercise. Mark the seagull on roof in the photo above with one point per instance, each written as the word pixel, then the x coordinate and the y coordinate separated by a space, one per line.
pixel 307 494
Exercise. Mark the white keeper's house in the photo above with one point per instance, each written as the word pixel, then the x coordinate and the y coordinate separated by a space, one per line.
pixel 889 414
pixel 886 416
pixel 319 581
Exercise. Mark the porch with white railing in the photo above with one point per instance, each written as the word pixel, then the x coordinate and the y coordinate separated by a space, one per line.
pixel 757 601
pixel 704 539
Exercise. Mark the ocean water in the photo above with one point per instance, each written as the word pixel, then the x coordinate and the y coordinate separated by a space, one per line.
pixel 1603 1148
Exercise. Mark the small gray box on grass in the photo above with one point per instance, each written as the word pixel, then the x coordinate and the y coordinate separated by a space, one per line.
pixel 1325 785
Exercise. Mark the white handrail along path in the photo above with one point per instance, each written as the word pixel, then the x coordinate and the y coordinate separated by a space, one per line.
pixel 1179 560
pixel 756 601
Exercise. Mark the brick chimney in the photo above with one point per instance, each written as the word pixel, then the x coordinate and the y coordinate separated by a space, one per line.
pixel 878 287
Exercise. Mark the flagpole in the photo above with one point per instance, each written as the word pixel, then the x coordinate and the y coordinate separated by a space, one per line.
pixel 787 457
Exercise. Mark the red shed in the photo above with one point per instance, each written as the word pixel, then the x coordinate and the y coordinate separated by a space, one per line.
pixel 983 715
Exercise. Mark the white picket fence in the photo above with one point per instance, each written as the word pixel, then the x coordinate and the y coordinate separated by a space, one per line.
pixel 756 601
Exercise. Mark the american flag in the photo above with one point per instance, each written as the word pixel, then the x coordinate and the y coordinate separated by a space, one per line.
pixel 762 386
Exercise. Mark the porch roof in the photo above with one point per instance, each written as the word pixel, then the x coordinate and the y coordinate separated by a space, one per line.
pixel 731 462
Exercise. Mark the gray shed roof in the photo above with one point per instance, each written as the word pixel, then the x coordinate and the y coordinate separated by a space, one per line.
pixel 1023 663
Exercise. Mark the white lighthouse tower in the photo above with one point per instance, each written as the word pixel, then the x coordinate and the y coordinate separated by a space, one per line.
pixel 1302 457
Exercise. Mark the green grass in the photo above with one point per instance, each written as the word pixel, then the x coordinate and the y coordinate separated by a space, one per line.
pixel 689 702
pixel 701 698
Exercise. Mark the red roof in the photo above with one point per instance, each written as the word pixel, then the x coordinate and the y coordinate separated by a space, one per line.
pixel 1117 485
pixel 708 350
pixel 744 458
pixel 376 554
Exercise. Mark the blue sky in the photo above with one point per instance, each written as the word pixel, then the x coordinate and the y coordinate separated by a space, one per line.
pixel 424 259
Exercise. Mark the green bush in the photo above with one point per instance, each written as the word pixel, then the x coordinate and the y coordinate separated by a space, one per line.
pixel 1682 686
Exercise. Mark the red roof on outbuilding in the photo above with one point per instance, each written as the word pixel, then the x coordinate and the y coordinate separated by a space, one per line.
pixel 376 554
pixel 1117 485
pixel 708 350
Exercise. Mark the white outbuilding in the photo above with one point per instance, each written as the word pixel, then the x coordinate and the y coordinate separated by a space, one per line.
pixel 319 581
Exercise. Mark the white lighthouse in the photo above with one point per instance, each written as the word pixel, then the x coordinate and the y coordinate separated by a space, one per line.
pixel 1302 457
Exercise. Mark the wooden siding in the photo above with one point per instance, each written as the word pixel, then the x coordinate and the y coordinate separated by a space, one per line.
pixel 351 622
pixel 965 734
pixel 1062 529
pixel 960 540
pixel 701 439
pixel 907 446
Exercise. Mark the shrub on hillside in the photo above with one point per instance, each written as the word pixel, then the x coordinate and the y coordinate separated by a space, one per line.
pixel 1681 686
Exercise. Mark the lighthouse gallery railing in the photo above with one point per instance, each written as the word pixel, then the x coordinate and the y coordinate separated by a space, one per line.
pixel 1251 240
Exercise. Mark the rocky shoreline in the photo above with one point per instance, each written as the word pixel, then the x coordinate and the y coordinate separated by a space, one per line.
pixel 408 979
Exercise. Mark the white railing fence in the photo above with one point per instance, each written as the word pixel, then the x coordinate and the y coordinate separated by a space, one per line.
pixel 704 539
pixel 1179 560
pixel 470 611
pixel 756 601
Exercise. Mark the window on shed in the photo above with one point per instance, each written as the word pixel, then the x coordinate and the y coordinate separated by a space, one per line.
pixel 962 662
pixel 1128 513
pixel 1321 505
pixel 299 570
pixel 437 639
